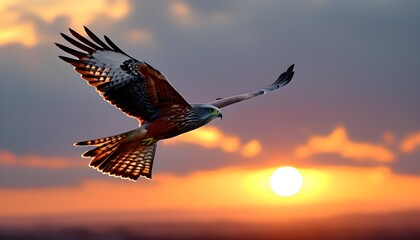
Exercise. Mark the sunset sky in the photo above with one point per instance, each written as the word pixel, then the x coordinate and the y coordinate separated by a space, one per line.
pixel 349 121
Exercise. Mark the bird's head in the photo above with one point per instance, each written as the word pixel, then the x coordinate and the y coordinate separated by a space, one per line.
pixel 207 112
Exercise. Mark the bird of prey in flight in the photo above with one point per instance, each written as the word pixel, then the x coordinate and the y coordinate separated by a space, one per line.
pixel 144 93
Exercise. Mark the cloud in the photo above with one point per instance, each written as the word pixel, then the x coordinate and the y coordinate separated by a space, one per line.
pixel 13 29
pixel 181 12
pixel 212 137
pixel 388 137
pixel 339 143
pixel 187 16
pixel 79 13
pixel 36 161
pixel 410 143
pixel 252 148
pixel 18 25
pixel 22 33
pixel 140 36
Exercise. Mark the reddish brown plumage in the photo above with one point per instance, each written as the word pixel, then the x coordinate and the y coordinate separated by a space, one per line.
pixel 159 90
pixel 142 92
pixel 169 122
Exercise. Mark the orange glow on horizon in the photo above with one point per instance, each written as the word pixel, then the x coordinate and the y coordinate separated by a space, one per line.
pixel 368 189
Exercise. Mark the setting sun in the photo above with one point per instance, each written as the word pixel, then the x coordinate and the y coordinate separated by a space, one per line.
pixel 286 181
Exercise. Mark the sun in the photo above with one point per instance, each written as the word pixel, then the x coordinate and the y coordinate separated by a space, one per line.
pixel 286 181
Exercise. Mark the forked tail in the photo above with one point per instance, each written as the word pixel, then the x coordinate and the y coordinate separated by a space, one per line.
pixel 116 156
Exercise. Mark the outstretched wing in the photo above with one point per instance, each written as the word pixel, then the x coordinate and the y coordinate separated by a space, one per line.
pixel 283 80
pixel 135 87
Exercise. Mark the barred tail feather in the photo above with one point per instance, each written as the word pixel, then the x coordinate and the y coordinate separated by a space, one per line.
pixel 127 161
pixel 120 157
pixel 130 161
pixel 101 141
pixel 97 154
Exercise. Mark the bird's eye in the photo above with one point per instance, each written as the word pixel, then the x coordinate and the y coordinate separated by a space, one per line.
pixel 210 110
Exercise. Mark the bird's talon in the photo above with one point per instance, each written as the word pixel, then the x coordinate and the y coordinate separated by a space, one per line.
pixel 148 141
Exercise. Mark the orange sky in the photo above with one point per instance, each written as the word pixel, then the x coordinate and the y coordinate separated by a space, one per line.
pixel 344 121
pixel 327 191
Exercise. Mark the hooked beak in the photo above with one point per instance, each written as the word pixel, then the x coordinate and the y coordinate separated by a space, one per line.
pixel 220 115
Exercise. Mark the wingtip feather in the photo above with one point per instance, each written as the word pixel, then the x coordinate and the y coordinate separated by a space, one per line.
pixel 71 51
pixel 72 61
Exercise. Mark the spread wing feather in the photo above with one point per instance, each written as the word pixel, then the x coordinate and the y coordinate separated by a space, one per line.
pixel 281 81
pixel 135 87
